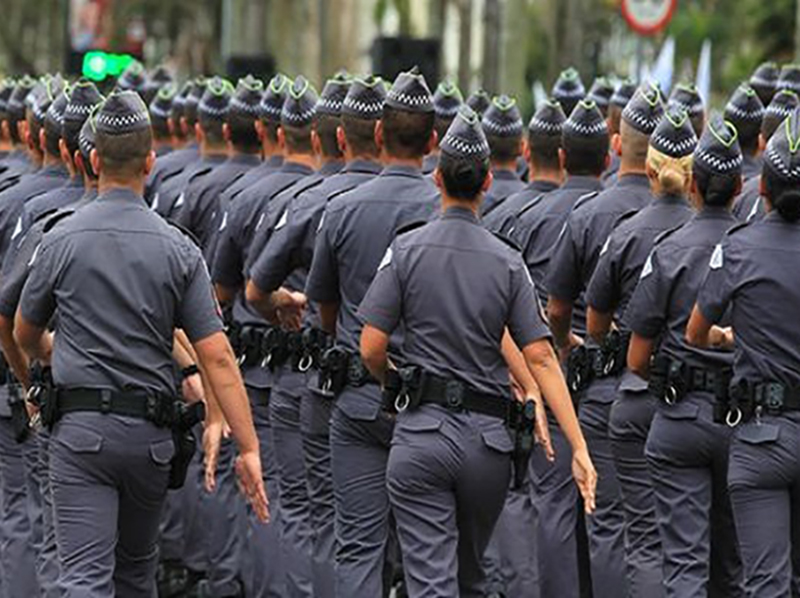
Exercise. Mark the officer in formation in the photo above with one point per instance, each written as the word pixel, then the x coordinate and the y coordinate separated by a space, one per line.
pixel 275 188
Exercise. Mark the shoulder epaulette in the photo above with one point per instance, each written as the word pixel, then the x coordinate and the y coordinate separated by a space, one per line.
pixel 185 231
pixel 626 216
pixel 584 199
pixel 528 206
pixel 340 192
pixel 407 228
pixel 507 240
pixel 667 233
pixel 738 226
pixel 305 188
pixel 50 219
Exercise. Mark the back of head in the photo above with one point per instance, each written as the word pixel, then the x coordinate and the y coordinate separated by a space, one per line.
pixel 622 95
pixel 361 109
pixel 298 116
pixel 272 106
pixel 568 90
pixel 123 136
pixel 717 163
pixel 54 123
pixel 783 103
pixel 746 112
pixel 243 113
pixel 669 158
pixel 585 141
pixel 38 103
pixel 408 117
pixel 17 101
pixel 789 78
pixel 213 109
pixel 600 93
pixel 177 110
pixel 763 81
pixel 6 87
pixel 781 174
pixel 544 137
pixel 639 119
pixel 502 124
pixel 154 82
pixel 83 98
pixel 87 142
pixel 479 101
pixel 687 97
pixel 161 111
pixel 329 113
pixel 133 78
pixel 447 99
pixel 192 102
pixel 464 159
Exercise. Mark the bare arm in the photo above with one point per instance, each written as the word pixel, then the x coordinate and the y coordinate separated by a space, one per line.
pixel 560 315
pixel 225 295
pixel 328 314
pixel 598 324
pixel 698 331
pixel 374 351
pixel 15 357
pixel 640 351
pixel 35 341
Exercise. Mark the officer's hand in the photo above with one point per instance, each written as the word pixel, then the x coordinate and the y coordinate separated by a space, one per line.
pixel 542 430
pixel 212 438
pixel 585 476
pixel 290 309
pixel 192 389
pixel 573 341
pixel 251 483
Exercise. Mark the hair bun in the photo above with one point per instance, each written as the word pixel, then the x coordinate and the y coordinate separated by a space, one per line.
pixel 788 205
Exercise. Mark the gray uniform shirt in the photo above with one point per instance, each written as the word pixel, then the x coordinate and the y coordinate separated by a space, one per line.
pixel 455 287
pixel 122 280
pixel 502 217
pixel 505 184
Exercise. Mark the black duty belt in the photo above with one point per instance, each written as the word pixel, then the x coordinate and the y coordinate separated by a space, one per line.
pixel 339 368
pixel 156 408
pixel 272 347
pixel 671 380
pixel 586 364
pixel 773 398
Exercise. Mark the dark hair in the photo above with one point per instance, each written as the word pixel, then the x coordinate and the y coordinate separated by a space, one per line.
pixel 71 134
pixel 406 134
pixel 463 178
pixel 124 155
pixel 34 126
pixel 698 123
pixel 614 119
pixel 298 139
pixel 87 167
pixel 717 190
pixel 212 128
pixel 326 131
pixel 13 129
pixel 504 149
pixel 783 194
pixel 52 135
pixel 441 124
pixel 748 131
pixel 160 127
pixel 271 130
pixel 585 156
pixel 360 135
pixel 770 124
pixel 243 131
pixel 544 151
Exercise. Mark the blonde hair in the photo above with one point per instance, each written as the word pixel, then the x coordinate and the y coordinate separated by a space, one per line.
pixel 672 175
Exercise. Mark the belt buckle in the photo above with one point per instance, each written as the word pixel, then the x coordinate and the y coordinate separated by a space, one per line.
pixel 774 398
pixel 105 401
pixel 454 394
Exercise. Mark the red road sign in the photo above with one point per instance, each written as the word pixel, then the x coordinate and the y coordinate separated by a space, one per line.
pixel 648 17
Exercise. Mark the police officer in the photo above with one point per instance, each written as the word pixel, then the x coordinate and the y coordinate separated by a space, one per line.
pixel 291 247
pixel 619 100
pixel 600 93
pixel 479 101
pixel 356 229
pixel 669 163
pixel 745 271
pixel 133 78
pixel 574 260
pixel 544 166
pixel 789 78
pixel 157 79
pixel 764 80
pixel 447 99
pixel 448 468
pixel 748 205
pixel 160 113
pixel 502 125
pixel 686 97
pixel 568 90
pixel 687 447
pixel 111 446
pixel 6 87
pixel 746 112
pixel 17 162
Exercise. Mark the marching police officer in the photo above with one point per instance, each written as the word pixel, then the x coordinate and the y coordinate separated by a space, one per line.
pixel 14 162
pixel 764 80
pixel 600 93
pixel 544 166
pixel 574 260
pixel 686 449
pixel 502 124
pixel 745 271
pixel 686 97
pixel 449 466
pixel 113 405
pixel 746 112
pixel 14 127
pixel 479 101
pixel 789 78
pixel 622 257
pixel 568 90
pixel 619 100
pixel 447 99
pixel 160 114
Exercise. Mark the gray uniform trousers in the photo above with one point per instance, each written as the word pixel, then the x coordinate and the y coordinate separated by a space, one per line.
pixel 764 484
pixel 605 528
pixel 688 456
pixel 267 578
pixel 17 553
pixel 195 511
pixel 296 540
pixel 315 414
pixel 629 425
pixel 109 479
pixel 172 532
pixel 448 475
pixel 47 566
pixel 359 455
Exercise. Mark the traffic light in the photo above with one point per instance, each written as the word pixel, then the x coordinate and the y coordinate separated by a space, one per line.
pixel 98 65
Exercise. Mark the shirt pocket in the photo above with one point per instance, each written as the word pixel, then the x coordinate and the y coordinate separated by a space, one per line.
pixel 419 422
pixel 681 411
pixel 79 439
pixel 162 451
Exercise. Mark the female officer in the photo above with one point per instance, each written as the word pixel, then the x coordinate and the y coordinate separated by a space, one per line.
pixel 455 289
pixel 753 272
pixel 669 167
pixel 687 451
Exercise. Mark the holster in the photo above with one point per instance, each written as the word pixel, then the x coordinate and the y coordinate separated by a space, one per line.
pixel 42 394
pixel 669 379
pixel 612 355
pixel 523 423
pixel 402 389
pixel 274 348
pixel 580 369
pixel 333 370
pixel 183 436
pixel 20 420
pixel 315 342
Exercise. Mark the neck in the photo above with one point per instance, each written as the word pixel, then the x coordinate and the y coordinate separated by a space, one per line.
pixel 309 160
pixel 89 182
pixel 162 143
pixel 629 168
pixel 5 146
pixel 49 160
pixel 511 165
pixel 389 160
pixel 453 202
pixel 545 174
pixel 363 157
pixel 108 183
pixel 214 149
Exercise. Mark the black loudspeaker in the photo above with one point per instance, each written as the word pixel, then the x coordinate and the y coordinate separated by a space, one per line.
pixel 261 66
pixel 393 55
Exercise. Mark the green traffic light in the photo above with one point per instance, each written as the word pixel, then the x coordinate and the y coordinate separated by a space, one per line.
pixel 98 65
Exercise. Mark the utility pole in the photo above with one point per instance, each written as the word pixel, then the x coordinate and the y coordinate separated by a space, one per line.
pixel 464 43
pixel 491 46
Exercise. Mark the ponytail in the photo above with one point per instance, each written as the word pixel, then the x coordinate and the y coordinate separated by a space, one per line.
pixel 672 175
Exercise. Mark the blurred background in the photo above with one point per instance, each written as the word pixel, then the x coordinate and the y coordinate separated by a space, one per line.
pixel 500 45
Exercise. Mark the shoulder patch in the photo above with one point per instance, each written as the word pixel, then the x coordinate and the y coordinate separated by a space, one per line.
pixel 407 228
pixel 530 205
pixel 387 259
pixel 717 258
pixel 584 199
pixel 647 269
pixel 185 231
pixel 667 233
pixel 507 240
pixel 54 218
pixel 738 227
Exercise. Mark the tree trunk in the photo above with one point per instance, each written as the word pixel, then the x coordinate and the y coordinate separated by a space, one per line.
pixel 464 43
pixel 492 31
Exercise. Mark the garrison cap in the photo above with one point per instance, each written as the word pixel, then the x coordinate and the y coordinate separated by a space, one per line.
pixel 479 101
pixel 744 106
pixel 789 78
pixel 123 112
pixel 645 109
pixel 447 99
pixel 333 94
pixel 674 135
pixel 718 151
pixel 246 100
pixel 300 106
pixel 601 92
pixel 569 90
pixel 54 118
pixel 365 98
pixel 783 103
pixel 179 101
pixel 764 79
pixel 465 139
pixel 585 121
pixel 161 105
pixel 783 151
pixel 133 78
pixel 687 97
pixel 410 93
pixel 190 106
pixel 86 138
pixel 6 88
pixel 216 100
pixel 502 118
pixel 548 120
pixel 158 78
pixel 623 94
pixel 15 109
pixel 83 97
pixel 44 94
pixel 274 97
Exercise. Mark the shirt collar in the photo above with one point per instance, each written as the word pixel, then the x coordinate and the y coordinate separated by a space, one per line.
pixel 56 170
pixel 541 186
pixel 402 170
pixel 715 213
pixel 459 213
pixel 331 167
pixel 75 182
pixel 672 199
pixel 121 194
pixel 215 158
pixel 633 180
pixel 361 165
pixel 275 161
pixel 504 174
pixel 289 166
pixel 251 159
pixel 587 183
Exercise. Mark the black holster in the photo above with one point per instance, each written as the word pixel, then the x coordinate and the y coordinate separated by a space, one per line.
pixel 523 423
pixel 402 389
pixel 333 370
pixel 580 369
pixel 42 394
pixel 185 419
pixel 20 420
pixel 612 355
